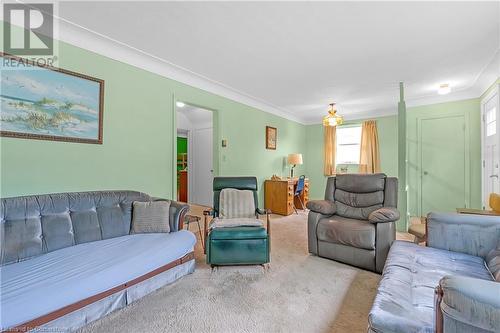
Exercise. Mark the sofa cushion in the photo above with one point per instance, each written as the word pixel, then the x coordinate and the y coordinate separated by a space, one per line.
pixel 359 205
pixel 236 203
pixel 405 297
pixel 361 183
pixel 239 233
pixel 233 223
pixel 345 231
pixel 57 231
pixel 21 239
pixel 64 219
pixel 86 226
pixel 151 216
pixel 35 287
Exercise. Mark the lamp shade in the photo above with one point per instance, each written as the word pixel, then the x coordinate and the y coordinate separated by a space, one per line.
pixel 294 159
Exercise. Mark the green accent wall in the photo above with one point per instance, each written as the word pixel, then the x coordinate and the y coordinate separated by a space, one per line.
pixel 470 109
pixel 182 145
pixel 139 137
pixel 181 148
pixel 388 137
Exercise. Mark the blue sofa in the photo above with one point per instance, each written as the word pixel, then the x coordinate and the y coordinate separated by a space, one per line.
pixel 451 286
pixel 68 259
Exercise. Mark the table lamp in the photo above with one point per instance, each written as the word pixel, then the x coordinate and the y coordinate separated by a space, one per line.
pixel 294 159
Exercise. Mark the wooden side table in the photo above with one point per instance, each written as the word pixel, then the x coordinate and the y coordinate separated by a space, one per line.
pixel 419 230
pixel 192 218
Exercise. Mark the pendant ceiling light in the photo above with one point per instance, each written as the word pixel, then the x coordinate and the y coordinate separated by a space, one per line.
pixel 332 118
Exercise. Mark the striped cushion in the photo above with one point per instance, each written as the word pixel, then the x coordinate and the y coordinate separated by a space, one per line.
pixel 150 216
pixel 236 203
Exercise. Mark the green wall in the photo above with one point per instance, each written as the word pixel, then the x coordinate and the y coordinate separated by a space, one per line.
pixel 388 136
pixel 471 110
pixel 387 130
pixel 181 148
pixel 138 149
pixel 182 145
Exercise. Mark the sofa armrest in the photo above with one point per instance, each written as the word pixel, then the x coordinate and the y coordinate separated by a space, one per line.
pixel 383 215
pixel 313 219
pixel 177 212
pixel 324 207
pixel 466 302
pixel 466 233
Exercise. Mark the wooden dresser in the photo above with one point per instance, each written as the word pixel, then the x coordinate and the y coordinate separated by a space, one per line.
pixel 278 195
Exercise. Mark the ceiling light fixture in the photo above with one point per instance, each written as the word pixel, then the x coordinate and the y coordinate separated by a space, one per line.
pixel 444 89
pixel 180 104
pixel 332 118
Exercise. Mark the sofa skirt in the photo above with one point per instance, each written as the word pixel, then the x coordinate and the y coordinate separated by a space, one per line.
pixel 92 312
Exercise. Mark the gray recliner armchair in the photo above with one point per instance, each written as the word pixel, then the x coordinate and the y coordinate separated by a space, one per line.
pixel 356 223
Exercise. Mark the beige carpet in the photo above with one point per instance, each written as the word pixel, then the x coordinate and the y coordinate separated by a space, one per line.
pixel 300 293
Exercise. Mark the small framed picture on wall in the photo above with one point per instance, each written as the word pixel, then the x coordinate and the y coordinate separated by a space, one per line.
pixel 271 137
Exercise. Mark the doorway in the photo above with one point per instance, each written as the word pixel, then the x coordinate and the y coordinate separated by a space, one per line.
pixel 444 164
pixel 490 132
pixel 194 154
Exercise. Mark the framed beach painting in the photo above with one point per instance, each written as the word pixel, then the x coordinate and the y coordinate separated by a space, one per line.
pixel 271 137
pixel 48 103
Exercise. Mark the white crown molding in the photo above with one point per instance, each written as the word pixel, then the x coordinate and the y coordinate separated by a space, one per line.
pixel 90 40
pixel 98 43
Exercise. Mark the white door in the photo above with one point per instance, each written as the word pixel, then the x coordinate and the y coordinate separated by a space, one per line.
pixel 202 171
pixel 491 146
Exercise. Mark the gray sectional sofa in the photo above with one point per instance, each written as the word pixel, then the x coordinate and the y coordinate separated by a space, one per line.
pixel 450 286
pixel 68 259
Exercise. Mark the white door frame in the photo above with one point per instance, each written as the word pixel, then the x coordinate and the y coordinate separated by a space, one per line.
pixel 484 100
pixel 189 135
pixel 217 135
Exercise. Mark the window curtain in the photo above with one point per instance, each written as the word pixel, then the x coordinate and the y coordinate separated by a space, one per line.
pixel 369 157
pixel 330 147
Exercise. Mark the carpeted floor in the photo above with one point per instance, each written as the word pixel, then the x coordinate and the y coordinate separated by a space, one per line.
pixel 300 293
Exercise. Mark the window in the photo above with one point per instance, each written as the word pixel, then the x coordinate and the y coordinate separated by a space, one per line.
pixel 348 144
pixel 491 121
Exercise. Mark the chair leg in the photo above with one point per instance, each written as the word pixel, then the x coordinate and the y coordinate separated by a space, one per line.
pixel 294 208
pixel 301 203
pixel 200 233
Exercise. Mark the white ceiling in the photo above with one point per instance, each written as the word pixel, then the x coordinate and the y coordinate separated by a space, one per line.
pixel 294 58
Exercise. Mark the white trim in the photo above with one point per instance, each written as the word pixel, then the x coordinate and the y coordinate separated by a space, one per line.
pixel 93 41
pixel 484 100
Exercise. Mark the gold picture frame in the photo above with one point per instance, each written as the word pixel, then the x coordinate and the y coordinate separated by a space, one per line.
pixel 271 137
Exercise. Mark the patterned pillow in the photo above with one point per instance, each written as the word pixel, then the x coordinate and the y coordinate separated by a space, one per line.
pixel 149 217
pixel 236 203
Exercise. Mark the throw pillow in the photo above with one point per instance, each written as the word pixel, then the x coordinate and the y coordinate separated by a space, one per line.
pixel 150 217
pixel 493 262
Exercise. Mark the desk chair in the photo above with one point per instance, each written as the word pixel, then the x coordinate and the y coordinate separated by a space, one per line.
pixel 298 192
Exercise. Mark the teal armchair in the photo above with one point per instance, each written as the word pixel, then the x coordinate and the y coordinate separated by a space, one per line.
pixel 235 236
